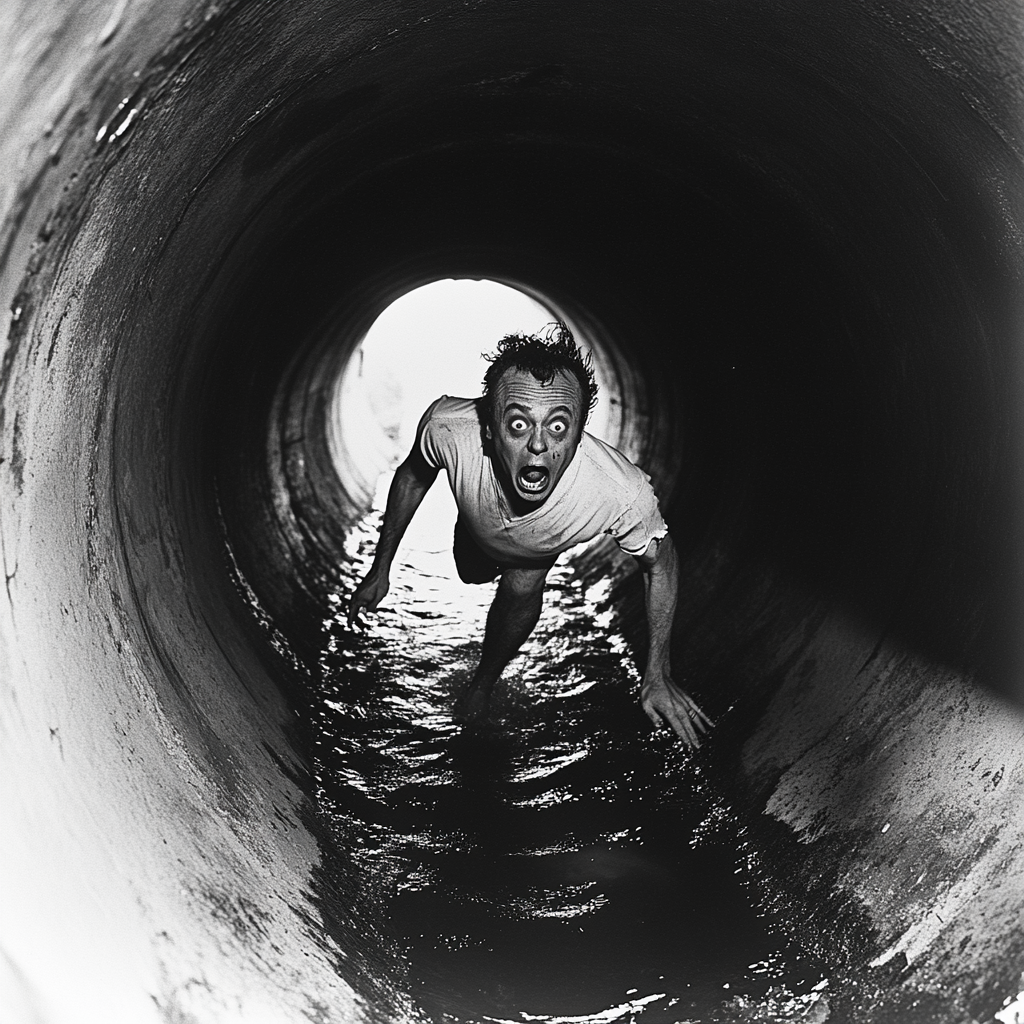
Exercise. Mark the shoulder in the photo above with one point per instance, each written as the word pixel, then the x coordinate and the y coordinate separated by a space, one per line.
pixel 450 426
pixel 454 409
pixel 459 417
pixel 612 468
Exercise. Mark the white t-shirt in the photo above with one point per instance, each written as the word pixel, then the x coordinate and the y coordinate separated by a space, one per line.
pixel 601 491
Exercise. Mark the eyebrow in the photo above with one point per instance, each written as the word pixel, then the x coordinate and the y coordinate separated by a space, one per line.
pixel 525 408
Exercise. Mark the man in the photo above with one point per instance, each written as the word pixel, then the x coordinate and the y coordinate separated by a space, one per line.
pixel 530 483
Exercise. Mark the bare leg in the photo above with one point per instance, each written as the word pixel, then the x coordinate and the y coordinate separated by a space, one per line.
pixel 510 620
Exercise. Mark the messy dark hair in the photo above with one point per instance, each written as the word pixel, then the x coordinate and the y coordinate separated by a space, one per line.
pixel 543 355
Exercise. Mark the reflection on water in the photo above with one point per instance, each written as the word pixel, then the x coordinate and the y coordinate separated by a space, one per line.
pixel 561 864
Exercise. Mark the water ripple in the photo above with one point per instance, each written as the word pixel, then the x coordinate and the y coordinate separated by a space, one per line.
pixel 554 862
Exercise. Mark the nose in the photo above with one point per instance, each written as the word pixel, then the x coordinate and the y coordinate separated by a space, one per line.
pixel 537 445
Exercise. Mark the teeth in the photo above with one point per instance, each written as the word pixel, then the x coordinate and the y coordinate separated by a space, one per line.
pixel 533 486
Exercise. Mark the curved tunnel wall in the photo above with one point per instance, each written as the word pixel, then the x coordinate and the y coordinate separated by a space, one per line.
pixel 795 231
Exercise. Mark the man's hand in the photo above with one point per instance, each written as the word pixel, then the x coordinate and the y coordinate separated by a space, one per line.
pixel 668 704
pixel 370 592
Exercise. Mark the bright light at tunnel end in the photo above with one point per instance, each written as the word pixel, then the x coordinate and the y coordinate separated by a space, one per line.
pixel 432 341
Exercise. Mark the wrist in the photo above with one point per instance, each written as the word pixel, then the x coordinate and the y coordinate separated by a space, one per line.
pixel 383 557
pixel 657 668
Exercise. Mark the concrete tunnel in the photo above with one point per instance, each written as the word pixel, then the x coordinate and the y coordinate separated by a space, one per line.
pixel 792 231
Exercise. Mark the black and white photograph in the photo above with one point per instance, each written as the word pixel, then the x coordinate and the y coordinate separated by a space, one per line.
pixel 512 512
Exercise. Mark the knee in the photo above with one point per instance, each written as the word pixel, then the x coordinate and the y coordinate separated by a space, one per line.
pixel 523 586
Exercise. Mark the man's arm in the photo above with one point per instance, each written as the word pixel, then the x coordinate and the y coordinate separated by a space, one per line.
pixel 408 489
pixel 662 699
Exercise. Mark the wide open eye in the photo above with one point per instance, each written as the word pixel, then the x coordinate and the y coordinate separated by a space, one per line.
pixel 517 425
pixel 558 427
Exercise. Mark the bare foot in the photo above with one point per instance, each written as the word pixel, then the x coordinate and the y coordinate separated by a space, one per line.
pixel 473 705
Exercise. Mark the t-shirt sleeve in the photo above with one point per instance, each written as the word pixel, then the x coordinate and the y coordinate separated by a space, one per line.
pixel 431 439
pixel 641 521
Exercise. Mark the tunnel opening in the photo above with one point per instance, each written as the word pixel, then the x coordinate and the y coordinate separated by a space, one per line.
pixel 802 247
pixel 432 341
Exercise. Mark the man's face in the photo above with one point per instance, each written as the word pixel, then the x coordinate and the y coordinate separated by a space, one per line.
pixel 535 429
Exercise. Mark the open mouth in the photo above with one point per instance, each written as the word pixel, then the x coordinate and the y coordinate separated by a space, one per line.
pixel 532 479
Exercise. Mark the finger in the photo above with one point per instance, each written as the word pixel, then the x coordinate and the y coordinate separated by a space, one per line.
pixel 698 722
pixel 653 715
pixel 676 719
pixel 681 721
pixel 685 731
pixel 355 606
pixel 698 715
pixel 658 716
pixel 700 719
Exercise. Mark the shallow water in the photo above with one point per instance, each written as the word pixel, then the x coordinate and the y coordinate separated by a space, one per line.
pixel 564 863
